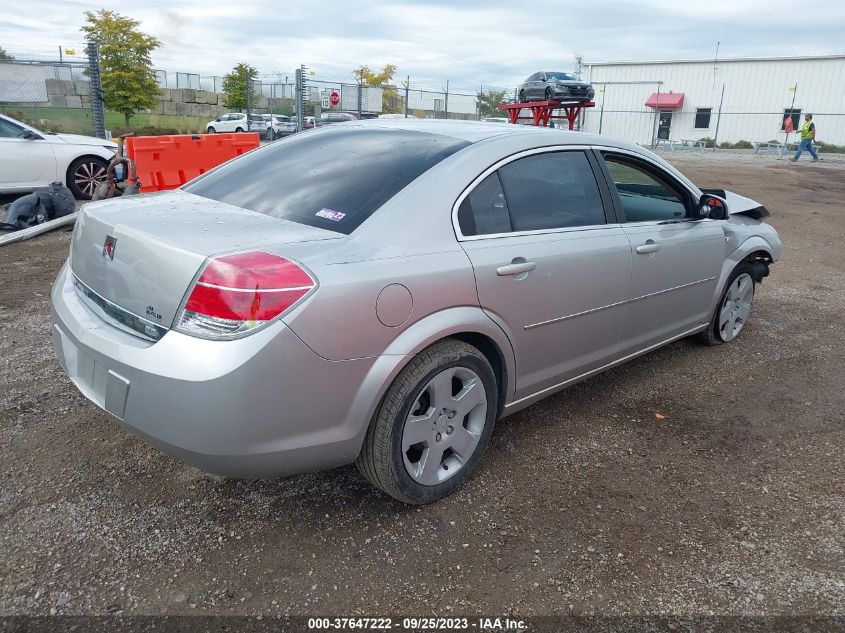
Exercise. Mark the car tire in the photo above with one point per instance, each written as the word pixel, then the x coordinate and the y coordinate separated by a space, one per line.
pixel 548 94
pixel 84 174
pixel 239 130
pixel 734 307
pixel 211 130
pixel 421 405
pixel 522 96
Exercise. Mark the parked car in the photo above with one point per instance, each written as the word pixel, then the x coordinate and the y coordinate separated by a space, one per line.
pixel 282 126
pixel 327 118
pixel 383 292
pixel 30 158
pixel 546 86
pixel 261 123
pixel 231 122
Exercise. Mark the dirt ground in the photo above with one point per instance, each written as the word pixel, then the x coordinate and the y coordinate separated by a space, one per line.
pixel 693 480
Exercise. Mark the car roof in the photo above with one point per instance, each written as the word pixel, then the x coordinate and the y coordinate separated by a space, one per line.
pixel 475 131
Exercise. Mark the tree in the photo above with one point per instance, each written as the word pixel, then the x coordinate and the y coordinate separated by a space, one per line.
pixel 129 82
pixel 237 84
pixel 487 102
pixel 390 99
pixel 4 54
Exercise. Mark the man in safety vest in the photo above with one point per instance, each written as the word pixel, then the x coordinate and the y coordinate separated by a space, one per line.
pixel 808 135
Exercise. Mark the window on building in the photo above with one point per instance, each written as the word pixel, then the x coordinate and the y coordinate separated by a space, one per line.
pixel 702 118
pixel 794 114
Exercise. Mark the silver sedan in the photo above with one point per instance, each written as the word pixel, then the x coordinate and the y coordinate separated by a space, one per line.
pixel 382 292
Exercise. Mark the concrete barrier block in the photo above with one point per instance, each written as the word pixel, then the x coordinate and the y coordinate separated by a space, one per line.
pixel 166 94
pixel 170 107
pixel 82 88
pixel 189 95
pixel 56 87
pixel 57 100
pixel 176 94
pixel 74 101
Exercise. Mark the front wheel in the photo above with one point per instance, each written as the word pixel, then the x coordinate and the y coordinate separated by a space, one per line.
pixel 522 96
pixel 433 424
pixel 548 94
pixel 239 130
pixel 84 175
pixel 733 309
pixel 211 130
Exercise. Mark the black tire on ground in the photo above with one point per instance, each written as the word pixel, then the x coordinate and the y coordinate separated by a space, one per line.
pixel 711 335
pixel 84 174
pixel 211 130
pixel 381 459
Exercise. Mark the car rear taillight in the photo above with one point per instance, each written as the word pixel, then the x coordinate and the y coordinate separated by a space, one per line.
pixel 236 294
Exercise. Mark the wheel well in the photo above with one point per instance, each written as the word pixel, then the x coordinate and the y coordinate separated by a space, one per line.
pixel 493 354
pixel 759 261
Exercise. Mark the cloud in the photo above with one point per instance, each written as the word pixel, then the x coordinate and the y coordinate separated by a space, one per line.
pixel 496 43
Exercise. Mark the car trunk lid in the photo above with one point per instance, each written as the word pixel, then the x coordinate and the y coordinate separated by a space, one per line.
pixel 141 253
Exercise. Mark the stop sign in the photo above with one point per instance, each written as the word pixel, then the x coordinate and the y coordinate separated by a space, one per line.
pixel 334 98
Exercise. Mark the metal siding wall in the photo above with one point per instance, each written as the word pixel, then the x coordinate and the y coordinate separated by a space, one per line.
pixel 756 93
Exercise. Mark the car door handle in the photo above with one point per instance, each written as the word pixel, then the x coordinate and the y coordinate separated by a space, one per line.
pixel 516 268
pixel 648 247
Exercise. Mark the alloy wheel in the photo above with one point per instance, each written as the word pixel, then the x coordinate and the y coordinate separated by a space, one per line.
pixel 88 175
pixel 445 425
pixel 736 307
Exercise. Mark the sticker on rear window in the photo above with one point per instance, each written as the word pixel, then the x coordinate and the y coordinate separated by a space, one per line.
pixel 331 214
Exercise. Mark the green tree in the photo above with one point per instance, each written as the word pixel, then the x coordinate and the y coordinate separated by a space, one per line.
pixel 488 100
pixel 390 99
pixel 4 54
pixel 237 84
pixel 129 82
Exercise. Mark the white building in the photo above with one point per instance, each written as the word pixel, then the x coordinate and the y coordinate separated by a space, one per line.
pixel 639 101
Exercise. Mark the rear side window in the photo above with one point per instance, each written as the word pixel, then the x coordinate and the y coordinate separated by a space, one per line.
pixel 553 190
pixel 485 211
pixel 333 180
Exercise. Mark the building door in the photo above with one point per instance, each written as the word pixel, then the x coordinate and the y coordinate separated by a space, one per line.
pixel 664 124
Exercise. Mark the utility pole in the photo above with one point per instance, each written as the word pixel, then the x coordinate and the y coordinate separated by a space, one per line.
pixel 407 89
pixel 718 119
pixel 299 98
pixel 446 102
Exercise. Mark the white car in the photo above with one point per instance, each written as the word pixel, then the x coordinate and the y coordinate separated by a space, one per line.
pixel 232 122
pixel 30 158
pixel 282 126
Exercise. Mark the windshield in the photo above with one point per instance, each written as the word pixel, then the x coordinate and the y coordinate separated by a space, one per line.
pixel 333 180
pixel 561 77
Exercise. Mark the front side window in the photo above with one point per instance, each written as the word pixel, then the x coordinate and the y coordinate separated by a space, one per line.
pixel 552 190
pixel 644 197
pixel 485 211
pixel 9 129
pixel 334 179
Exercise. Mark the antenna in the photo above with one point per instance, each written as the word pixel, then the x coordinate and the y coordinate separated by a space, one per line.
pixel 716 57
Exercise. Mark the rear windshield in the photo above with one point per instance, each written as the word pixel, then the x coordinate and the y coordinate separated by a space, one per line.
pixel 333 180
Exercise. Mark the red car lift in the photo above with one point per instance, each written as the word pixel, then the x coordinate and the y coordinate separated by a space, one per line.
pixel 541 111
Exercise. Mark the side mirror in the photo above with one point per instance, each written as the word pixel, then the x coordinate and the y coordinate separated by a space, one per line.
pixel 30 136
pixel 713 207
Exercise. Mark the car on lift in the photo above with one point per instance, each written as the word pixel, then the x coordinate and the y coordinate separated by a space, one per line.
pixel 30 158
pixel 548 86
pixel 382 292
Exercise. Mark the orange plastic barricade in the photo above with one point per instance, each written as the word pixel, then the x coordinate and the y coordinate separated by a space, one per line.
pixel 167 162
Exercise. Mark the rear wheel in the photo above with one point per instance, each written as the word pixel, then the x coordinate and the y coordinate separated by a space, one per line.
pixel 239 129
pixel 84 174
pixel 433 424
pixel 522 96
pixel 211 130
pixel 733 309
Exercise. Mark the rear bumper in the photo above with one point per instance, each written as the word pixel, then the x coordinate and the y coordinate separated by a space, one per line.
pixel 261 405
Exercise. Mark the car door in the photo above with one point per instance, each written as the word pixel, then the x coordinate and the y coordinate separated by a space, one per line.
pixel 549 266
pixel 676 258
pixel 24 162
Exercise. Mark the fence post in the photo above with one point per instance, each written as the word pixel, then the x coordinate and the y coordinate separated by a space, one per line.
pixel 249 89
pixel 298 100
pixel 656 119
pixel 360 95
pixel 446 102
pixel 407 90
pixel 98 111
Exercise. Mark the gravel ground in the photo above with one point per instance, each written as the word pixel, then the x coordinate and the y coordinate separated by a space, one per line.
pixel 693 480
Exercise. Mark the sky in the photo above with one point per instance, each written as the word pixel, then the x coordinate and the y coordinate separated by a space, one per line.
pixel 468 42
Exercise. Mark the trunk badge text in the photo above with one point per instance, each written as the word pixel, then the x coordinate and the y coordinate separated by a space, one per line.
pixel 109 246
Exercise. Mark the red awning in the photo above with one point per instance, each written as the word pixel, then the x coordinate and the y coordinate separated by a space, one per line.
pixel 665 100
